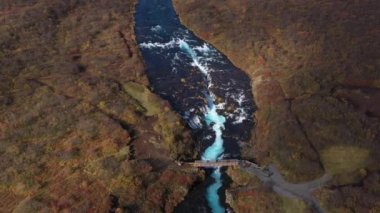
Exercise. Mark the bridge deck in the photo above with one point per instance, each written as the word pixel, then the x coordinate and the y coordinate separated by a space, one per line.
pixel 220 163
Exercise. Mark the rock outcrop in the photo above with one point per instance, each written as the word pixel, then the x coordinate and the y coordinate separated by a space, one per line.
pixel 314 68
pixel 80 130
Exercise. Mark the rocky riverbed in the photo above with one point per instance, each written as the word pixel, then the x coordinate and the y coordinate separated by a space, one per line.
pixel 314 68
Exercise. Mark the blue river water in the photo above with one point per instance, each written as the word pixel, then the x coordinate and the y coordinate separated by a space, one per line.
pixel 203 86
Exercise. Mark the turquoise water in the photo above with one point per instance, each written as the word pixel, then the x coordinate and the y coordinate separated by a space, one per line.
pixel 216 121
pixel 214 152
pixel 201 84
pixel 212 192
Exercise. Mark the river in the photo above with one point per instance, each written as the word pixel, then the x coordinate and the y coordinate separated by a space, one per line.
pixel 212 95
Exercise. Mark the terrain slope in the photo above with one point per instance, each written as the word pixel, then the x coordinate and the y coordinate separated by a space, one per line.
pixel 315 76
pixel 80 129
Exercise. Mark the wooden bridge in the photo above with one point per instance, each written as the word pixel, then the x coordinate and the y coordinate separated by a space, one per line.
pixel 217 163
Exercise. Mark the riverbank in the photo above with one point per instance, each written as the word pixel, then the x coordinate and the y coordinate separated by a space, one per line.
pixel 80 128
pixel 313 70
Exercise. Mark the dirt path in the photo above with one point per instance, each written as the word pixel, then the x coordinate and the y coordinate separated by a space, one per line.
pixel 272 177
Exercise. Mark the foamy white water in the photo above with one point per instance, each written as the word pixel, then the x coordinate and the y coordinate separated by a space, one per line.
pixel 199 81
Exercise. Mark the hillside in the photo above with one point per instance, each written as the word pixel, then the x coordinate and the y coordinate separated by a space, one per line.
pixel 315 77
pixel 80 130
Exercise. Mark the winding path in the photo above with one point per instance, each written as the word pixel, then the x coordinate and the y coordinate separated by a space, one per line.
pixel 270 176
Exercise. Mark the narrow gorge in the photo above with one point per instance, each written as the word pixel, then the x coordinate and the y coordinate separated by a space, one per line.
pixel 203 86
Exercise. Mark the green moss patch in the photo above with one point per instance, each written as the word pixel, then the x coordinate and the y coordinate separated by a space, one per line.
pixel 146 98
pixel 344 159
pixel 293 205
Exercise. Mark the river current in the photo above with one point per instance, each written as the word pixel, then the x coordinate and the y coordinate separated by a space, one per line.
pixel 204 87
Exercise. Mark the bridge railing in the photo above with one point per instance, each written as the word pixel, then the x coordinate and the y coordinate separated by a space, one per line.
pixel 220 163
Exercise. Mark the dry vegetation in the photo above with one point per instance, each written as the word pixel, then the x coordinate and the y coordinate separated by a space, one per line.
pixel 73 136
pixel 316 81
